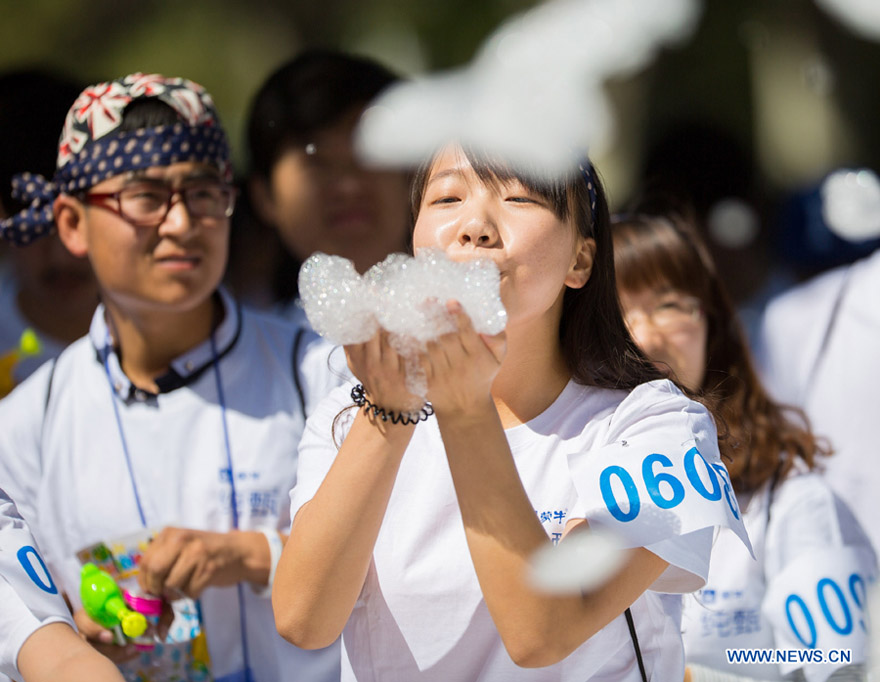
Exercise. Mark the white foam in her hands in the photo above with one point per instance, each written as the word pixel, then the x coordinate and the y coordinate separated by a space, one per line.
pixel 404 295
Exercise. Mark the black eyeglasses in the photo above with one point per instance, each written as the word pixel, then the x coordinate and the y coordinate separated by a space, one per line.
pixel 147 204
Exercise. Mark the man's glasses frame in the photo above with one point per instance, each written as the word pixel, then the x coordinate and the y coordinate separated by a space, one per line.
pixel 183 194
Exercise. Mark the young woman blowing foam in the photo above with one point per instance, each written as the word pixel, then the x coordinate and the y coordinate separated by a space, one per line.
pixel 413 540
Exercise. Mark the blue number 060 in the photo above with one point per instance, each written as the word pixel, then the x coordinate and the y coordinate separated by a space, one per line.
pixel 664 488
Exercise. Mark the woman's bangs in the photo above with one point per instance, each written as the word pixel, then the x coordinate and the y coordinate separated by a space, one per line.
pixel 494 171
pixel 655 257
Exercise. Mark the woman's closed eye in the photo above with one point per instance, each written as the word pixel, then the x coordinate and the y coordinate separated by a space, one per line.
pixel 675 306
pixel 679 306
pixel 446 199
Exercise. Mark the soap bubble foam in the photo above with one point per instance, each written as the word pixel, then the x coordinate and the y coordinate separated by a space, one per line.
pixel 406 296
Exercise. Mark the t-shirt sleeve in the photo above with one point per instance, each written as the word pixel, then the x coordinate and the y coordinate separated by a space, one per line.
pixel 29 595
pixel 322 367
pixel 655 478
pixel 818 565
pixel 325 429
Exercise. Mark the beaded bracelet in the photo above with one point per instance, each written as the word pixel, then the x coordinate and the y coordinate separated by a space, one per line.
pixel 358 395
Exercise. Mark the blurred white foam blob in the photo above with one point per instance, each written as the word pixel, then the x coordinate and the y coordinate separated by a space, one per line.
pixel 534 93
pixel 851 204
pixel 581 562
pixel 859 16
pixel 733 223
pixel 406 296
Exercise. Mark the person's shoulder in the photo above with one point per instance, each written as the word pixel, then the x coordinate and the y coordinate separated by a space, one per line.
pixel 805 506
pixel 791 332
pixel 272 323
pixel 804 486
pixel 659 394
pixel 269 320
pixel 650 410
pixel 270 330
pixel 658 397
pixel 333 403
pixel 812 296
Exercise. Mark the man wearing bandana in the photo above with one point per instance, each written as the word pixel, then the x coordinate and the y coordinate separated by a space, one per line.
pixel 179 414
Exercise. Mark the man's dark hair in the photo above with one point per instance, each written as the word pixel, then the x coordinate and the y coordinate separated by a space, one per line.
pixel 306 94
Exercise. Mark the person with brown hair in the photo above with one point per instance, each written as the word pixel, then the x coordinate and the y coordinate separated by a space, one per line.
pixel 807 588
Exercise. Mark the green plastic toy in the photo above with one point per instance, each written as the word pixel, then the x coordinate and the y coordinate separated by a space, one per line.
pixel 103 601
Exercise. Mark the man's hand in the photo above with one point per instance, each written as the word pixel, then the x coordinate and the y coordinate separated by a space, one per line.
pixel 102 639
pixel 183 561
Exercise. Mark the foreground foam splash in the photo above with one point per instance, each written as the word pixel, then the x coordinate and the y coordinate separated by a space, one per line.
pixel 851 204
pixel 859 16
pixel 581 562
pixel 534 93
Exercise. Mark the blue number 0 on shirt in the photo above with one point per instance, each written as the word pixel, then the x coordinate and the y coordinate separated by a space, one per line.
pixel 665 488
pixel 42 578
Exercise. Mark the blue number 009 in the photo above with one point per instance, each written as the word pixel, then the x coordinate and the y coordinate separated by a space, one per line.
pixel 827 590
pixel 672 492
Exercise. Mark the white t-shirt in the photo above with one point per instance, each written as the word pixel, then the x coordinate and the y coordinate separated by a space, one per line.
pixel 806 541
pixel 421 615
pixel 293 310
pixel 29 596
pixel 65 464
pixel 820 350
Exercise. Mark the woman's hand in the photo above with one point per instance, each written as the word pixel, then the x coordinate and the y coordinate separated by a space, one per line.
pixel 382 371
pixel 462 365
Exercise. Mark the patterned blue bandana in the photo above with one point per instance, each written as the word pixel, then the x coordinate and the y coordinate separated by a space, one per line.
pixel 91 149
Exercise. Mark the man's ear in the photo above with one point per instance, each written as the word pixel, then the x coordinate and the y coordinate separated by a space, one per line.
pixel 70 221
pixel 581 263
pixel 261 200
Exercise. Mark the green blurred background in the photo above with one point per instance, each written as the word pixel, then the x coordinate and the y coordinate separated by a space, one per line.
pixel 780 91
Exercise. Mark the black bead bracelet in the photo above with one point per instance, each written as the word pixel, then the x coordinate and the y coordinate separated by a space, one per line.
pixel 359 396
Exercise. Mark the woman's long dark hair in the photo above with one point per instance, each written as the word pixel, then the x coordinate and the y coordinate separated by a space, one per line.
pixel 595 342
pixel 763 438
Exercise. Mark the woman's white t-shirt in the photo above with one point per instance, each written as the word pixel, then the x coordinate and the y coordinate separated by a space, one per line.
pixel 808 543
pixel 29 596
pixel 421 615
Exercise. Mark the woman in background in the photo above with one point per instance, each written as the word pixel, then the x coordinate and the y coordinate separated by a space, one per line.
pixel 807 589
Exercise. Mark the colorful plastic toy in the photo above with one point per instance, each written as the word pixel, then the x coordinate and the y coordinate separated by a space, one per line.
pixel 103 601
